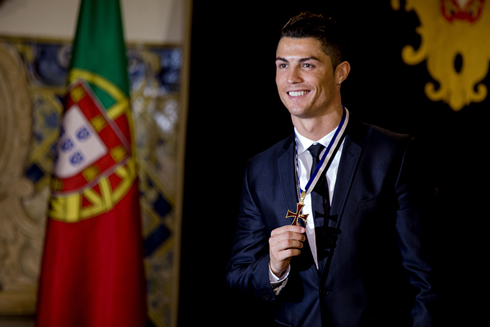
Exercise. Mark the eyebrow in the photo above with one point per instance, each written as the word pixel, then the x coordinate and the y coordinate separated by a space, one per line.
pixel 301 60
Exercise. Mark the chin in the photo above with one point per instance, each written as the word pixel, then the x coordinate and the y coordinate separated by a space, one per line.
pixel 298 112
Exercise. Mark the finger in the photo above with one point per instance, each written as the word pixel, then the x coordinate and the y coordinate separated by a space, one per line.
pixel 287 235
pixel 285 245
pixel 288 228
pixel 285 255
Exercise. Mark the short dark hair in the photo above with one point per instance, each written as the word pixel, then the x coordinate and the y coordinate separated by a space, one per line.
pixel 326 30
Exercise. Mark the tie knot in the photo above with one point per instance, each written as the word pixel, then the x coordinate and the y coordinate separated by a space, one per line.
pixel 315 150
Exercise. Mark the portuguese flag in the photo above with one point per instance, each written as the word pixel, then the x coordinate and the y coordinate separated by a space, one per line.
pixel 92 271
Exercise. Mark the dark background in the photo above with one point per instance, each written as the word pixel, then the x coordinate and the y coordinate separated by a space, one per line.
pixel 235 112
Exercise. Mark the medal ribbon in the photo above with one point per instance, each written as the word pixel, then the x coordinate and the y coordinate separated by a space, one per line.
pixel 326 157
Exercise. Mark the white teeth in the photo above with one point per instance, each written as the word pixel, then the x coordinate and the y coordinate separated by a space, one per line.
pixel 297 93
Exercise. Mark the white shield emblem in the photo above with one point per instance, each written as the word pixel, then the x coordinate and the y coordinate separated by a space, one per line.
pixel 79 145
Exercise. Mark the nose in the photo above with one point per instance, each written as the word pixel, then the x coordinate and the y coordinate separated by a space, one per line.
pixel 294 76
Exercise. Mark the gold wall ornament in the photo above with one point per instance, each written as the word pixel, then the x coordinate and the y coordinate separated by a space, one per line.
pixel 452 31
pixel 21 235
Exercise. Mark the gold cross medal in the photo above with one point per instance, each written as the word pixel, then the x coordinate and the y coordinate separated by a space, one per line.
pixel 297 214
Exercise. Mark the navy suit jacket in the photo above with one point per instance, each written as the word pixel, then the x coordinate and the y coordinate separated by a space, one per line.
pixel 377 273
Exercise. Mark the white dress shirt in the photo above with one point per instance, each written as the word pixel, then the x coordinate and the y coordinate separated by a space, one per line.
pixel 304 162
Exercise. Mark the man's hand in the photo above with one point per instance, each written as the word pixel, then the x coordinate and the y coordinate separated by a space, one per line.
pixel 285 242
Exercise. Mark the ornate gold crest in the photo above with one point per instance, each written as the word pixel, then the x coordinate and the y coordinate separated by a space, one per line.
pixel 456 46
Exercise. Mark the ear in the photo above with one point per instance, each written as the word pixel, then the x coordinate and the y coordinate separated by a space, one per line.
pixel 341 72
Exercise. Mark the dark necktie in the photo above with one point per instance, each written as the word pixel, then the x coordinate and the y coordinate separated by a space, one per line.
pixel 320 206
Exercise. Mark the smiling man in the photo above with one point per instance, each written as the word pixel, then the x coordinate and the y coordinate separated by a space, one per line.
pixel 331 219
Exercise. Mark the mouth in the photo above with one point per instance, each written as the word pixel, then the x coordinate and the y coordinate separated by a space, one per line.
pixel 297 93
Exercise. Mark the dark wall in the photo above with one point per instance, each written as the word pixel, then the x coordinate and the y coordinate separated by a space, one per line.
pixel 235 112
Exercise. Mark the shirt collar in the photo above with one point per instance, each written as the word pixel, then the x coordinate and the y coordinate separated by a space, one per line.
pixel 304 143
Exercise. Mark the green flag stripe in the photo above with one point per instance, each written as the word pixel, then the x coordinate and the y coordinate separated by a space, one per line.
pixel 99 43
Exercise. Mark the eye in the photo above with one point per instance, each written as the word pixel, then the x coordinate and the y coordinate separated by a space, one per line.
pixel 281 65
pixel 307 65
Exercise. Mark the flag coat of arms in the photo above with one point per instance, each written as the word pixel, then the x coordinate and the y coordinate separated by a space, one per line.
pixel 92 272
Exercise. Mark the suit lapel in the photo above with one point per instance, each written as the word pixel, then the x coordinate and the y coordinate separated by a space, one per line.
pixel 351 154
pixel 349 160
pixel 287 175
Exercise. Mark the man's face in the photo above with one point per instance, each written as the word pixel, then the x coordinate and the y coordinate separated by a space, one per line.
pixel 305 78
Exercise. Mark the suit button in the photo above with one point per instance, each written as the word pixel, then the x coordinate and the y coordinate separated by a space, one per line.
pixel 324 292
pixel 266 297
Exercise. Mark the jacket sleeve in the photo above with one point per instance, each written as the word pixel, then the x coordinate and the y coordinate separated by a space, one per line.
pixel 415 194
pixel 248 269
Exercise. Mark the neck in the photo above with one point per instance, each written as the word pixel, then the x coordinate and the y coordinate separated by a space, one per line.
pixel 315 128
